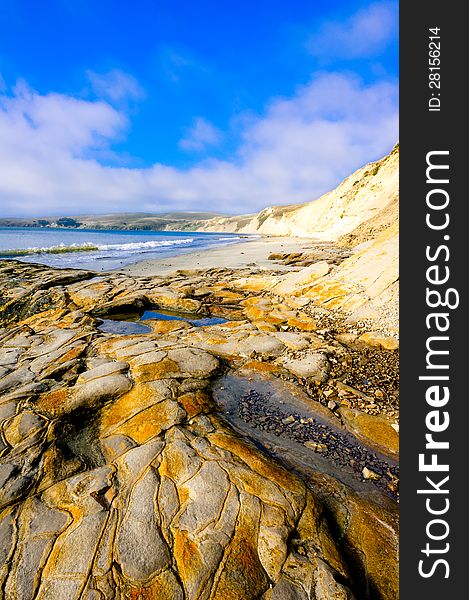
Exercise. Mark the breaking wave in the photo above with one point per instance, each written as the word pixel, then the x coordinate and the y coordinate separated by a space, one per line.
pixel 145 245
pixel 87 247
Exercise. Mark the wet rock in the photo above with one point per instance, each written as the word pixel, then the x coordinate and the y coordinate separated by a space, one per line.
pixel 166 327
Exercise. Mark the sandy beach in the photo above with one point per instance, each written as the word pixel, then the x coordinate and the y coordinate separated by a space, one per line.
pixel 251 252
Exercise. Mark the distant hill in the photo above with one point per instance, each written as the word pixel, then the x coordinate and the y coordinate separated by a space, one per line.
pixel 143 221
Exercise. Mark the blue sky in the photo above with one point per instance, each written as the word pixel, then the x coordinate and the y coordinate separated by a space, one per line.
pixel 155 105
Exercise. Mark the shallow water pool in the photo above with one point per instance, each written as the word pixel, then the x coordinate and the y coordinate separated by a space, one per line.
pixel 132 323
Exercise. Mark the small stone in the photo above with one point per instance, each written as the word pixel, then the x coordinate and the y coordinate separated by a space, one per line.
pixel 316 446
pixel 288 420
pixel 332 405
pixel 369 474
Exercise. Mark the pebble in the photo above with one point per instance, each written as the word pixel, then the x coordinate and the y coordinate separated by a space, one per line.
pixel 260 413
pixel 369 474
pixel 316 446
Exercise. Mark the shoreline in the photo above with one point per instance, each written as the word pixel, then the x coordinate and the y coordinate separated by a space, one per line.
pixel 248 253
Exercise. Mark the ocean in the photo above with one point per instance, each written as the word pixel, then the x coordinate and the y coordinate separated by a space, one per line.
pixel 101 250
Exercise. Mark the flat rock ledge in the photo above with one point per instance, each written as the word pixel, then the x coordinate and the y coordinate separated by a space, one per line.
pixel 118 477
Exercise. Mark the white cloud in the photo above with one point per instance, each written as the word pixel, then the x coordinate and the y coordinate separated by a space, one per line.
pixel 365 33
pixel 115 85
pixel 200 135
pixel 301 147
pixel 54 126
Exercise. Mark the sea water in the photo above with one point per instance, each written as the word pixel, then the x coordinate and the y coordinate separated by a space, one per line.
pixel 101 250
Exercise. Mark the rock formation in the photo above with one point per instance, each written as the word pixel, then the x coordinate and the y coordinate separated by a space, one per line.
pixel 122 477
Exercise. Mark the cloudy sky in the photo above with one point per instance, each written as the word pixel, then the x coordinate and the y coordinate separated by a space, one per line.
pixel 116 106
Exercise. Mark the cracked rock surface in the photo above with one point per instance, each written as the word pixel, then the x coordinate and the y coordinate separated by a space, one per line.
pixel 119 477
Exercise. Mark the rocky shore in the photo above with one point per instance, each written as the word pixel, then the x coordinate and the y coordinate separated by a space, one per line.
pixel 252 459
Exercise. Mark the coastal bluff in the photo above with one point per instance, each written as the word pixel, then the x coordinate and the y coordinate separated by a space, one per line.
pixel 367 200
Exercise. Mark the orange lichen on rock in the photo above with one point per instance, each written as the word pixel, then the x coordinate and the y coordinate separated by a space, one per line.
pixel 302 322
pixel 156 370
pixel 194 402
pixel 51 402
